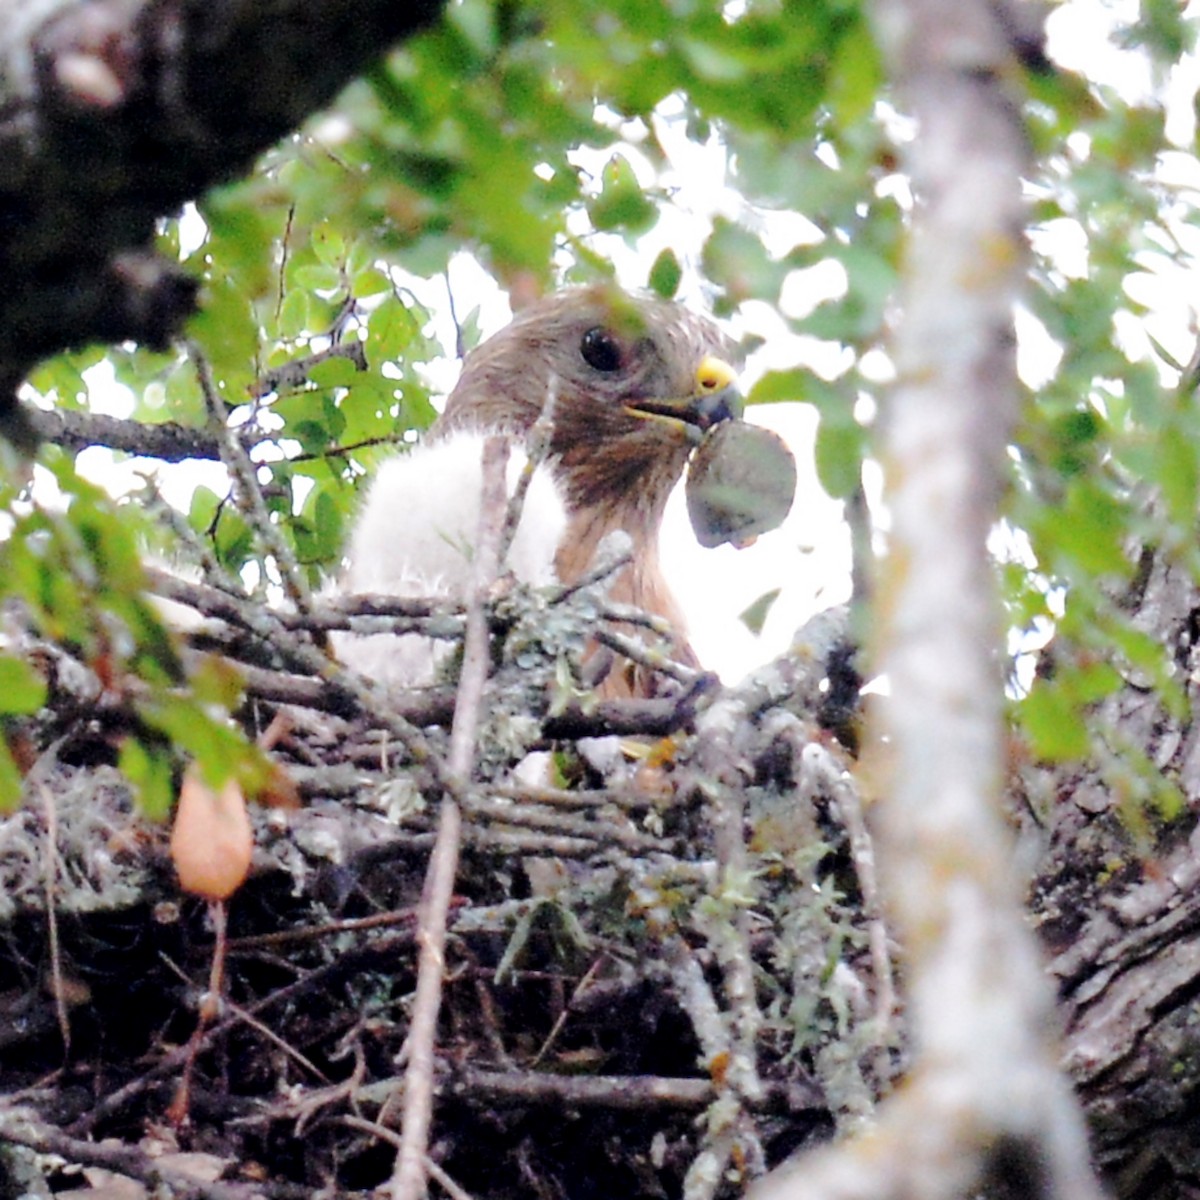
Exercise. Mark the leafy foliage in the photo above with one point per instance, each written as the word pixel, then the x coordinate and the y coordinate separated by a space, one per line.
pixel 542 141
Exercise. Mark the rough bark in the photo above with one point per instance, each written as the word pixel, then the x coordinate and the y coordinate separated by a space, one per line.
pixel 1114 896
pixel 113 113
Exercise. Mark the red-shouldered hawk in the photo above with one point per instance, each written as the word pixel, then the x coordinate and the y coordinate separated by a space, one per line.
pixel 634 383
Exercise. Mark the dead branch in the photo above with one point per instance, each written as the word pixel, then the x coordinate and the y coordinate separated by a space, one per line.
pixel 619 1092
pixel 167 441
pixel 23 1127
pixel 724 779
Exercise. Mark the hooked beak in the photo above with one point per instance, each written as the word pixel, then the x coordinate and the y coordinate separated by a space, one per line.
pixel 716 398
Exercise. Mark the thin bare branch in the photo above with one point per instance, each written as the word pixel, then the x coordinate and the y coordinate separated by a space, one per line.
pixel 647 656
pixel 536 446
pixel 637 1092
pixel 408 1180
pixel 245 482
pixel 528 816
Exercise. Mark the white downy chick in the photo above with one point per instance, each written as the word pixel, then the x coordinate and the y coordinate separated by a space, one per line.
pixel 414 538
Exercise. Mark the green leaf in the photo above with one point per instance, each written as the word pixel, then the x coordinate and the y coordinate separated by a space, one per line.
pixel 318 277
pixel 328 526
pixel 856 74
pixel 392 329
pixel 713 63
pixel 205 505
pixel 220 750
pixel 476 21
pixel 666 274
pixel 148 768
pixel 754 617
pixel 11 781
pixel 22 689
pixel 736 259
pixel 838 454
pixel 621 203
pixel 334 372
pixel 1090 528
pixel 776 387
pixel 295 314
pixel 1054 724
pixel 226 328
pixel 1178 473
pixel 217 681
pixel 329 246
pixel 369 282
pixel 798 385
pixel 234 542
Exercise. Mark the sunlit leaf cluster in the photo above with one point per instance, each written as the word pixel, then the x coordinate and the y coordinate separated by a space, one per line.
pixel 1107 465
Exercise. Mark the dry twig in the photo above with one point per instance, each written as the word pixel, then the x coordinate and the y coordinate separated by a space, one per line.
pixel 243 473
pixel 408 1180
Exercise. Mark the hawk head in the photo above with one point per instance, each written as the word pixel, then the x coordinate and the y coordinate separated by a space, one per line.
pixel 633 383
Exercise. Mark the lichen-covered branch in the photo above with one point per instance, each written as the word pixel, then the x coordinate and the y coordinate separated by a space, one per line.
pixel 985 1101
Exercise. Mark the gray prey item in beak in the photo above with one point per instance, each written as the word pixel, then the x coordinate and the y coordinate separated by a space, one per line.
pixel 740 482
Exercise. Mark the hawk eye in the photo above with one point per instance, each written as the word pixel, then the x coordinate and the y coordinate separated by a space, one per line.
pixel 600 350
